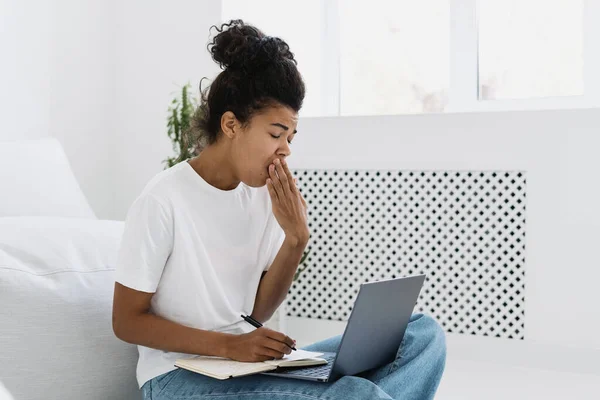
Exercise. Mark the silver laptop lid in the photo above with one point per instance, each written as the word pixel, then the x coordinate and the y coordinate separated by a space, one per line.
pixel 376 325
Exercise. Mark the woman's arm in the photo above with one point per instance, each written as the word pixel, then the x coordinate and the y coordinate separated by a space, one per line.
pixel 275 284
pixel 290 210
pixel 133 323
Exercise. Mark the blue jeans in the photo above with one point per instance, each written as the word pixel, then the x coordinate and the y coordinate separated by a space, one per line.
pixel 414 374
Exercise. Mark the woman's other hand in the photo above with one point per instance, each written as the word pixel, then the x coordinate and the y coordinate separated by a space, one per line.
pixel 261 344
pixel 289 207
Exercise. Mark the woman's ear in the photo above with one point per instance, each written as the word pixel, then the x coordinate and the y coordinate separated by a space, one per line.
pixel 229 124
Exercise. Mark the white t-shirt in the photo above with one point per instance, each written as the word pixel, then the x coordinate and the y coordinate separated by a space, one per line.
pixel 200 250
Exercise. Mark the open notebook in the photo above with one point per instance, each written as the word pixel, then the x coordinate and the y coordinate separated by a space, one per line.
pixel 224 368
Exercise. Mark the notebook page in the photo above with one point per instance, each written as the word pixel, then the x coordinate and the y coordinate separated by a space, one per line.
pixel 220 366
pixel 295 355
pixel 224 367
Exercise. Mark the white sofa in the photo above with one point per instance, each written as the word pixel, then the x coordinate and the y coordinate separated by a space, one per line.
pixel 57 265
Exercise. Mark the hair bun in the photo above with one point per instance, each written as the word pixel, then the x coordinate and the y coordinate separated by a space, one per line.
pixel 243 47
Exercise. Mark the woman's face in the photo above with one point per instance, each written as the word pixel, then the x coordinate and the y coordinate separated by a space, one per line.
pixel 267 136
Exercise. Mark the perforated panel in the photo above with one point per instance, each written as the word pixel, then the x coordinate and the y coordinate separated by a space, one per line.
pixel 465 230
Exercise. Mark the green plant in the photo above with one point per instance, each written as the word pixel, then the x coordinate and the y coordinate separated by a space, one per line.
pixel 299 270
pixel 179 118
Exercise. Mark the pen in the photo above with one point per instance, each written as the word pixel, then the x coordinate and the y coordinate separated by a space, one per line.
pixel 257 324
pixel 255 321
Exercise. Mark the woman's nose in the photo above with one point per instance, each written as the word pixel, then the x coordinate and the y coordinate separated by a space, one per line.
pixel 285 151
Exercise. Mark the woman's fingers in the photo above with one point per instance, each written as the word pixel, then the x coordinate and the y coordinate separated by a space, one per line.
pixel 275 181
pixel 272 191
pixel 272 354
pixel 302 198
pixel 283 177
pixel 283 184
pixel 290 177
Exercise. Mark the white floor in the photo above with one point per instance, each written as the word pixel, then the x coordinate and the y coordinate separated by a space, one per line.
pixel 466 380
pixel 493 369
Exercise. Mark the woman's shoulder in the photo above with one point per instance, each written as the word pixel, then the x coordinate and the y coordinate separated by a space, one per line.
pixel 161 185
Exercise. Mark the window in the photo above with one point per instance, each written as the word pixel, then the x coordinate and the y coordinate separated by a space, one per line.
pixel 530 48
pixel 403 56
pixel 394 56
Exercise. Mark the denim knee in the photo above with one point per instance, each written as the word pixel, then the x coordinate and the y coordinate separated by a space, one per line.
pixel 435 335
pixel 429 333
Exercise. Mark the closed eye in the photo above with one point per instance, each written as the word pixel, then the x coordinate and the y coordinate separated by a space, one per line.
pixel 277 137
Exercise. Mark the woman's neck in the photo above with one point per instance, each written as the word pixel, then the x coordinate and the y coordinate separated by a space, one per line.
pixel 214 166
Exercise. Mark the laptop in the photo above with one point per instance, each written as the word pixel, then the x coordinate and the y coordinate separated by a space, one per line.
pixel 373 334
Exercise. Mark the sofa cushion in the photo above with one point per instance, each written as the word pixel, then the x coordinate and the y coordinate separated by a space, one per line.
pixel 37 179
pixel 56 288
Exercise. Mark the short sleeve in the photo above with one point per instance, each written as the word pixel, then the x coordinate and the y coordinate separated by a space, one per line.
pixel 146 244
pixel 276 237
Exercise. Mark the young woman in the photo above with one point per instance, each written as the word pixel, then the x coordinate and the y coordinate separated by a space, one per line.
pixel 222 234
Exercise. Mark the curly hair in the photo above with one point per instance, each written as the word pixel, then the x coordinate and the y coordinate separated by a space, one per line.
pixel 258 71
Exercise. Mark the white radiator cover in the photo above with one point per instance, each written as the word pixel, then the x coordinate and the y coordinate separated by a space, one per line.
pixel 464 229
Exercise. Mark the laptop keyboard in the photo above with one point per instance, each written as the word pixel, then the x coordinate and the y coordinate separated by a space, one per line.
pixel 319 371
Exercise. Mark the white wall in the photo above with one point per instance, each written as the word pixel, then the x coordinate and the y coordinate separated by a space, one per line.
pixel 82 92
pixel 161 46
pixel 57 79
pixel 99 77
pixel 24 69
pixel 557 149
